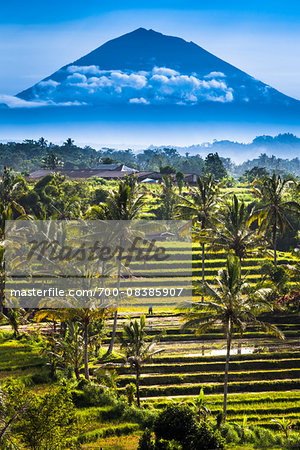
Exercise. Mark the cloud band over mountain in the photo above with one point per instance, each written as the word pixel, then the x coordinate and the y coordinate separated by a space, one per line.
pixel 93 86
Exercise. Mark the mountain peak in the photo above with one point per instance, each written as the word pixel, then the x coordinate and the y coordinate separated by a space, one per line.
pixel 145 66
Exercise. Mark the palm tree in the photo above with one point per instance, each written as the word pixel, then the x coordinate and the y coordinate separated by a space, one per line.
pixel 69 143
pixel 42 142
pixel 51 161
pixel 200 207
pixel 137 350
pixel 73 346
pixel 6 214
pixel 235 305
pixel 14 317
pixel 82 318
pixel 12 187
pixel 124 203
pixel 232 231
pixel 273 210
pixel 168 199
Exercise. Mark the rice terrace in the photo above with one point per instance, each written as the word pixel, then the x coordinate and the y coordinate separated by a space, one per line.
pixel 216 367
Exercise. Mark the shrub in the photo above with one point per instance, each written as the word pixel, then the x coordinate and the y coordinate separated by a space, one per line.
pixel 229 433
pixel 130 390
pixel 204 438
pixel 49 421
pixel 293 442
pixel 42 377
pixel 264 437
pixel 145 442
pixel 163 444
pixel 93 395
pixel 175 422
pixel 144 417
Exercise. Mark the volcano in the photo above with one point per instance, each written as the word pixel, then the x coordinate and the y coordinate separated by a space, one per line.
pixel 149 68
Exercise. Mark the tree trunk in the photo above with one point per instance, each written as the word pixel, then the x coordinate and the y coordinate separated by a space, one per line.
pixel 86 356
pixel 76 370
pixel 229 339
pixel 137 382
pixel 275 243
pixel 203 267
pixel 113 336
pixel 2 293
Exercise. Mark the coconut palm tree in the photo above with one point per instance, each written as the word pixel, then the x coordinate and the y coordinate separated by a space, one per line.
pixel 168 199
pixel 51 161
pixel 14 317
pixel 11 188
pixel 200 207
pixel 138 351
pixel 232 231
pixel 234 305
pixel 83 318
pixel 124 203
pixel 6 214
pixel 274 209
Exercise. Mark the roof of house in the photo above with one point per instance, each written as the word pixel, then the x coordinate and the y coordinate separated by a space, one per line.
pixel 109 174
pixel 84 173
pixel 120 167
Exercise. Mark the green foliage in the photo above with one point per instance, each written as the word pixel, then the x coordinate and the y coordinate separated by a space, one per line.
pixel 51 161
pixel 285 425
pixel 255 173
pixel 204 438
pixel 99 196
pixel 229 433
pixel 200 406
pixel 137 350
pixel 175 422
pixel 130 391
pixel 214 166
pixel 277 275
pixel 146 442
pixel 49 421
pixel 232 233
pixel 93 395
pixel 114 430
pixel 180 181
pixel 293 442
pixel 144 417
pixel 167 202
pixel 167 170
pixel 274 210
pixel 37 421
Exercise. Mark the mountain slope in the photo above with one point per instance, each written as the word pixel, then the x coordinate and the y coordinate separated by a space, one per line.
pixel 147 67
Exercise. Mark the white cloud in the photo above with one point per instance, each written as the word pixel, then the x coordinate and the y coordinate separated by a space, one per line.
pixel 161 85
pixel 139 100
pixel 49 84
pixel 164 71
pixel 14 102
pixel 90 70
pixel 215 75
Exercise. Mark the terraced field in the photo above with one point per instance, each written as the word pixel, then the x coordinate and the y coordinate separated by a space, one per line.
pixel 264 380
pixel 185 272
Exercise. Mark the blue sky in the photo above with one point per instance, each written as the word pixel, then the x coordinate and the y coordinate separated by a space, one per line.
pixel 262 37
